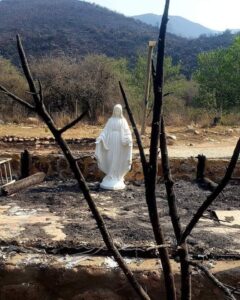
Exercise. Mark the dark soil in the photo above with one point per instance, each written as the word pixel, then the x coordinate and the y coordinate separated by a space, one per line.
pixel 126 216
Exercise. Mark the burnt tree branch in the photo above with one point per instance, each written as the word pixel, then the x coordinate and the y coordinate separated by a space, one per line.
pixel 150 173
pixel 150 181
pixel 16 98
pixel 73 123
pixel 162 250
pixel 40 109
pixel 219 284
pixel 40 90
pixel 135 129
pixel 169 184
pixel 173 212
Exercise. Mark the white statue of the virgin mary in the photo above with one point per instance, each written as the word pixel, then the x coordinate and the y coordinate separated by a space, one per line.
pixel 114 150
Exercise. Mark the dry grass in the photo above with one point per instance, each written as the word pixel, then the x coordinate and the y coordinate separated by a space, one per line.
pixel 83 131
pixel 184 135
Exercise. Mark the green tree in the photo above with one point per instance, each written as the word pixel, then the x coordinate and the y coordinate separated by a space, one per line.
pixel 218 75
pixel 175 82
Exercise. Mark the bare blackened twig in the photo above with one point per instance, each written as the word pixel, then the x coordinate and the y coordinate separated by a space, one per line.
pixel 40 90
pixel 73 123
pixel 219 284
pixel 40 109
pixel 173 212
pixel 150 181
pixel 16 98
pixel 150 173
pixel 234 290
pixel 135 129
pixel 168 94
pixel 162 250
pixel 214 194
pixel 26 69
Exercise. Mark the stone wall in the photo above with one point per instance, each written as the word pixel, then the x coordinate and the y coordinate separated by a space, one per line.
pixel 55 165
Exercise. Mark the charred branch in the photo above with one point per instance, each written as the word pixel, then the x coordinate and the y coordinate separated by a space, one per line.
pixel 201 179
pixel 135 129
pixel 73 123
pixel 150 181
pixel 40 109
pixel 173 213
pixel 16 98
pixel 150 169
pixel 25 164
pixel 219 284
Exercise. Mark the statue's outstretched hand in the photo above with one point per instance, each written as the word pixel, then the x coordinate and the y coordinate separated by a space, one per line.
pixel 100 139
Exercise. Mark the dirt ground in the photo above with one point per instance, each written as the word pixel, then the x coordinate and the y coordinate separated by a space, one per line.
pixel 186 141
pixel 55 216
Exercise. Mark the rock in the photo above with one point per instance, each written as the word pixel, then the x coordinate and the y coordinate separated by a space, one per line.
pixel 196 132
pixel 230 131
pixel 171 137
pixel 1 122
pixel 32 120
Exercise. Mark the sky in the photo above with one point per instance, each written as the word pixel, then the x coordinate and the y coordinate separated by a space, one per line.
pixel 214 14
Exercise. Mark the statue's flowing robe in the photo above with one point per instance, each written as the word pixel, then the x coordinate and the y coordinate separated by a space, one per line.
pixel 114 151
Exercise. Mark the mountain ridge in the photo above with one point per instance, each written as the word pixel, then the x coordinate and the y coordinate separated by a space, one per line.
pixel 77 28
pixel 180 26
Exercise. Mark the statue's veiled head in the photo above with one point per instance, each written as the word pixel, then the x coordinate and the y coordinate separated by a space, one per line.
pixel 117 111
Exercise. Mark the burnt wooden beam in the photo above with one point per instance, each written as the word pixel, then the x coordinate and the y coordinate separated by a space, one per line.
pixel 22 184
pixel 202 181
pixel 25 164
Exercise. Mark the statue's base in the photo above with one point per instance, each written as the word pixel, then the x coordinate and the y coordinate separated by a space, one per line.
pixel 112 184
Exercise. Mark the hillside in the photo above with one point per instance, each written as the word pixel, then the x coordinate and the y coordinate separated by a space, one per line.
pixel 177 25
pixel 78 28
pixel 70 26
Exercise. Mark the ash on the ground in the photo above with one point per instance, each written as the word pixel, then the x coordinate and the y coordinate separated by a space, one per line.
pixel 126 215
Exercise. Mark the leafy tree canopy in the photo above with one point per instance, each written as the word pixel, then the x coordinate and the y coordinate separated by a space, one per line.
pixel 219 75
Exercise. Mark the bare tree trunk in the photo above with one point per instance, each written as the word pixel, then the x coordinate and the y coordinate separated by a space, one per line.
pixel 173 213
pixel 150 168
pixel 150 181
